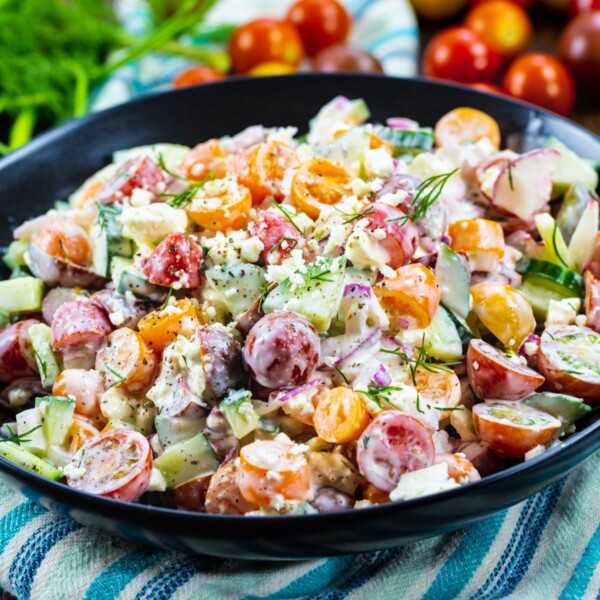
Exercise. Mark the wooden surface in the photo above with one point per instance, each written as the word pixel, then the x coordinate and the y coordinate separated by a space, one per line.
pixel 547 28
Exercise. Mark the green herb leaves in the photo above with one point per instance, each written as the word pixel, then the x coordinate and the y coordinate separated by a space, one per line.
pixel 19 438
pixel 288 216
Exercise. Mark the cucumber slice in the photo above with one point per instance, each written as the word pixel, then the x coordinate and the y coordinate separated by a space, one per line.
pixel 454 281
pixel 41 342
pixel 562 406
pixel 186 461
pixel 26 459
pixel 238 285
pixel 21 295
pixel 238 411
pixel 576 200
pixel 551 276
pixel 555 248
pixel 101 259
pixel 174 430
pixel 30 430
pixel 406 141
pixel 141 288
pixel 314 292
pixel 14 256
pixel 539 295
pixel 57 413
pixel 442 340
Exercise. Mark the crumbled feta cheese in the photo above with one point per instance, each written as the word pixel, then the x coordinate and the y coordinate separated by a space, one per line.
pixel 530 348
pixel 562 312
pixel 394 198
pixel 72 472
pixel 294 262
pixel 282 134
pixel 150 224
pixel 224 249
pixel 251 249
pixel 117 318
pixel 141 197
pixel 361 188
pixel 362 247
pixel 157 483
pixel 273 475
pixel 534 452
pixel 378 163
pixel 580 320
pixel 423 482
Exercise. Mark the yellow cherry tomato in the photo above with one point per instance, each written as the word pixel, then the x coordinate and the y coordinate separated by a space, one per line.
pixel 226 207
pixel 272 67
pixel 205 160
pixel 439 389
pixel 466 125
pixel 481 240
pixel 341 416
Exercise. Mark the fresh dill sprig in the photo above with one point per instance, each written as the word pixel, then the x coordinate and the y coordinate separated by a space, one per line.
pixel 163 165
pixel 355 215
pixel 288 216
pixel 81 458
pixel 41 362
pixel 104 210
pixel 19 438
pixel 341 374
pixel 179 200
pixel 375 391
pixel 293 241
pixel 321 276
pixel 510 176
pixel 169 294
pixel 120 377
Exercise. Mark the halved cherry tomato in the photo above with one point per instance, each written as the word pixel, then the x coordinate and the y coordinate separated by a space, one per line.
pixel 126 361
pixel 65 240
pixel 481 240
pixel 569 358
pixel 226 207
pixel 16 354
pixel 175 261
pixel 196 75
pixel 376 142
pixel 504 311
pixel 269 468
pixel 576 7
pixel 79 323
pixel 393 444
pixel 191 495
pixel 278 236
pixel 161 327
pixel 414 294
pixel 264 40
pixel 374 495
pixel 262 168
pixel 440 389
pixel 466 125
pixel 270 68
pixel 319 183
pixel 204 160
pixel 513 429
pixel 493 375
pixel 340 416
pixel 459 468
pixel 82 431
pixel 223 496
pixel 592 300
pixel 117 465
pixel 83 385
pixel 89 193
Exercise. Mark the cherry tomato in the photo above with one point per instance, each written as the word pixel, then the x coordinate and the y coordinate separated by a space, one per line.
pixel 176 260
pixel 282 349
pixel 138 173
pixel 16 354
pixel 504 311
pixel 79 323
pixel 576 7
pixel 569 359
pixel 504 25
pixel 319 183
pixel 345 58
pixel 558 5
pixel 438 9
pixel 592 300
pixel 269 468
pixel 494 375
pixel 270 68
pixel 191 495
pixel 466 126
pixel 513 429
pixel 65 240
pixel 459 468
pixel 522 3
pixel 264 40
pixel 126 361
pixel 541 79
pixel 440 389
pixel 278 236
pixel 83 385
pixel 402 237
pixel 196 75
pixel 223 496
pixel 413 294
pixel 82 430
pixel 203 160
pixel 481 240
pixel 340 416
pixel 579 47
pixel 393 444
pixel 117 465
pixel 374 495
pixel 320 23
pixel 459 54
pixel 225 207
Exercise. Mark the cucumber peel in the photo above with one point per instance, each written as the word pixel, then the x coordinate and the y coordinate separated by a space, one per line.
pixel 26 459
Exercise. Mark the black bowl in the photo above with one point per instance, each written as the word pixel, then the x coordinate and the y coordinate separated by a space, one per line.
pixel 57 162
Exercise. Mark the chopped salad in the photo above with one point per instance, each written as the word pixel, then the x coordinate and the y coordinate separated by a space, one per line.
pixel 275 323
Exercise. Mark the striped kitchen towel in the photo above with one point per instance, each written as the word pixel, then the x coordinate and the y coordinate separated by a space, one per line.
pixel 545 548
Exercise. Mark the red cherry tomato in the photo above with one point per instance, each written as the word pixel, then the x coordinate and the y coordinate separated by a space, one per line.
pixel 543 80
pixel 579 47
pixel 344 58
pixel 16 355
pixel 282 349
pixel 265 40
pixel 117 465
pixel 196 75
pixel 79 323
pixel 177 259
pixel 459 54
pixel 576 7
pixel 223 496
pixel 278 236
pixel 320 23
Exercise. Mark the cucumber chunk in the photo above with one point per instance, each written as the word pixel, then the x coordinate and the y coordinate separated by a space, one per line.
pixel 539 295
pixel 562 406
pixel 26 459
pixel 57 413
pixel 174 430
pixel 21 295
pixel 442 340
pixel 551 276
pixel 30 430
pixel 14 257
pixel 406 141
pixel 454 281
pixel 41 342
pixel 141 288
pixel 555 248
pixel 240 414
pixel 576 200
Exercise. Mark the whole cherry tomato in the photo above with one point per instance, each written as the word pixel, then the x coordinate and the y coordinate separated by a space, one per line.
pixel 459 54
pixel 576 7
pixel 320 23
pixel 503 25
pixel 265 40
pixel 344 58
pixel 196 75
pixel 543 80
pixel 437 9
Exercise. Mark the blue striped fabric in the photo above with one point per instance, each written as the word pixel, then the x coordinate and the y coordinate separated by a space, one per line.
pixel 545 548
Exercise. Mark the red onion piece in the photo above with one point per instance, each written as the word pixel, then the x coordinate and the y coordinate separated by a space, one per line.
pixel 339 349
pixel 284 394
pixel 401 123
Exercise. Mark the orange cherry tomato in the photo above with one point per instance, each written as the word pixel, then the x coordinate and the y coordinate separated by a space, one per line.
pixel 261 169
pixel 223 496
pixel 204 160
pixel 269 468
pixel 414 294
pixel 64 239
pixel 82 430
pixel 319 183
pixel 374 495
pixel 265 40
pixel 504 311
pixel 126 361
pixel 503 25
pixel 272 67
pixel 376 142
pixel 162 326
pixel 83 385
pixel 481 240
pixel 340 416
pixel 439 389
pixel 459 468
pixel 465 126
pixel 226 207
pixel 196 75
pixel 89 193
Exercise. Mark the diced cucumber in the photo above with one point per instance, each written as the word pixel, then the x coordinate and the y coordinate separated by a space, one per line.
pixel 41 342
pixel 237 285
pixel 562 406
pixel 583 241
pixel 576 200
pixel 406 141
pixel 57 413
pixel 141 288
pixel 108 240
pixel 21 295
pixel 539 295
pixel 555 248
pixel 454 281
pixel 442 340
pixel 101 259
pixel 14 256
pixel 238 411
pixel 550 275
pixel 349 149
pixel 339 112
pixel 115 406
pixel 58 456
pixel 465 333
pixel 174 430
pixel 314 292
pixel 26 459
pixel 186 461
pixel 30 430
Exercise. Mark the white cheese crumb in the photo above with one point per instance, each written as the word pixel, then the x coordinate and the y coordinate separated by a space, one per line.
pixel 562 312
pixel 72 472
pixel 117 318
pixel 378 163
pixel 534 452
pixel 157 483
pixel 580 320
pixel 251 249
pixel 150 224
pixel 423 482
